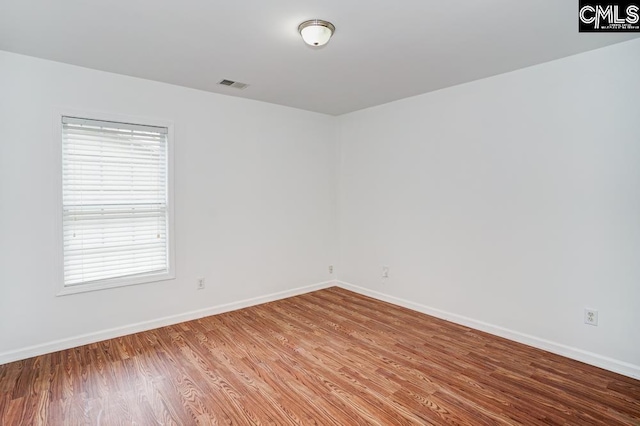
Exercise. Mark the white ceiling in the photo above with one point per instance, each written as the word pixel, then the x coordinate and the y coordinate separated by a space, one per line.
pixel 382 50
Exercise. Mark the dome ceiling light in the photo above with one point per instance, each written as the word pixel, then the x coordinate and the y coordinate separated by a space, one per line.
pixel 316 32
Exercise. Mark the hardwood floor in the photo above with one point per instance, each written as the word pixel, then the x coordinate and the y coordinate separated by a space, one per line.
pixel 328 357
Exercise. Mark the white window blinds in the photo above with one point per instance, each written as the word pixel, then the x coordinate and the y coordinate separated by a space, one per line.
pixel 114 191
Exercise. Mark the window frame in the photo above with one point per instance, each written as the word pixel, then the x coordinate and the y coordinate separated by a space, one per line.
pixel 61 288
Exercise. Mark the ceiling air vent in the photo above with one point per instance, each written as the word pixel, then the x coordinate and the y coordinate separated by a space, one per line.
pixel 234 84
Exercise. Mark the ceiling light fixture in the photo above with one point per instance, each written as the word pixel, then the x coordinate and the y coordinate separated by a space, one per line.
pixel 316 32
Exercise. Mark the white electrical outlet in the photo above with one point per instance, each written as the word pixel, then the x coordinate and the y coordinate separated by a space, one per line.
pixel 200 283
pixel 385 272
pixel 591 316
pixel 331 269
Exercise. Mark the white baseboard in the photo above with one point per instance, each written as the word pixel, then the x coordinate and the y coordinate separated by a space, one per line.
pixel 85 339
pixel 591 358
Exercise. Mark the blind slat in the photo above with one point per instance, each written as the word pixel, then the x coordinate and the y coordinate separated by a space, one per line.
pixel 71 122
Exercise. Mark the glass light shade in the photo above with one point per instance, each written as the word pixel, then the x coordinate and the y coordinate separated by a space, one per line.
pixel 316 32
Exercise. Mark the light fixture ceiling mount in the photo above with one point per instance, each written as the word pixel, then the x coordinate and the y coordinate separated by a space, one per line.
pixel 316 32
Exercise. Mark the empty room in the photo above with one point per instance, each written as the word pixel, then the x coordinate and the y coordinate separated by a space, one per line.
pixel 319 212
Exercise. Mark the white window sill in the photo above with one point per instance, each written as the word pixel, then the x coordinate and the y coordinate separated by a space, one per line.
pixel 115 283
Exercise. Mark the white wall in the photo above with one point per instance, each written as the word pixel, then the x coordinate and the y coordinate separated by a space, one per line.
pixel 254 202
pixel 509 203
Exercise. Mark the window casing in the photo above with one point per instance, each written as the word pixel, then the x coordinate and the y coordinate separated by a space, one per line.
pixel 116 211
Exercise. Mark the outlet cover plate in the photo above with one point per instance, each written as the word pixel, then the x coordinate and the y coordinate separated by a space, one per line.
pixel 591 317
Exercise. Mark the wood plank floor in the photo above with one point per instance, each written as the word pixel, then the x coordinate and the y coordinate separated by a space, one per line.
pixel 328 357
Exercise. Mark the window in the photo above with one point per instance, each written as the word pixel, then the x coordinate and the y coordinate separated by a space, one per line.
pixel 115 204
